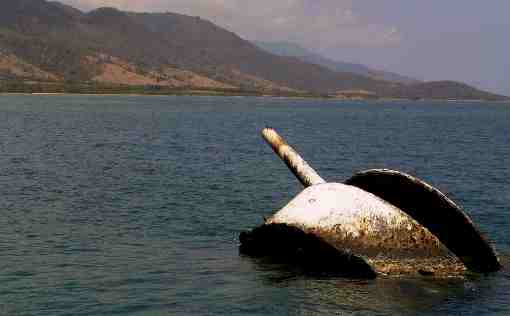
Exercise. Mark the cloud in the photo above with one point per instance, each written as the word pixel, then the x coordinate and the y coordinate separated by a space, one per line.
pixel 312 23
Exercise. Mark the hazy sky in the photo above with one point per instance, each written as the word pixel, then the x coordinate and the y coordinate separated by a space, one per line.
pixel 465 40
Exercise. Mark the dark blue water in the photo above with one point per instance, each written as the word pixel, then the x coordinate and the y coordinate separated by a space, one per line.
pixel 132 205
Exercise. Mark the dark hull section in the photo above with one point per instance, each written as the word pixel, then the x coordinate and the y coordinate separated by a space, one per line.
pixel 288 244
pixel 436 212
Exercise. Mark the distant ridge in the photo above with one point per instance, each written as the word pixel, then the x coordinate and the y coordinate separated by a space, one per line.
pixel 49 45
pixel 294 50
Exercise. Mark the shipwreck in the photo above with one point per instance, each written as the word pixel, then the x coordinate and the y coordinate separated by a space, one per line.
pixel 378 222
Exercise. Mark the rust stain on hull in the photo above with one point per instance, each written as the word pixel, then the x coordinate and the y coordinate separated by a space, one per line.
pixel 401 242
pixel 358 222
pixel 398 251
pixel 437 267
pixel 316 251
pixel 351 218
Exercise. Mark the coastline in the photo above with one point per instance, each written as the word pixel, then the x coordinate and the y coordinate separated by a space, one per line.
pixel 94 89
pixel 86 88
pixel 216 94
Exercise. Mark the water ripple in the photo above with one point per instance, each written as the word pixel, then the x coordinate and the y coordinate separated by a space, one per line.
pixel 130 205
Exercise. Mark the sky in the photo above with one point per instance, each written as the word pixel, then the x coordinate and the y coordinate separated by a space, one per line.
pixel 463 40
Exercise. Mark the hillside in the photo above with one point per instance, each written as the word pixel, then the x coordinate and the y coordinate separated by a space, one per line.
pixel 293 50
pixel 445 90
pixel 51 44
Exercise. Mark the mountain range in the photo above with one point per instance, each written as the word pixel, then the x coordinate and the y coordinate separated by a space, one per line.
pixel 294 50
pixel 51 44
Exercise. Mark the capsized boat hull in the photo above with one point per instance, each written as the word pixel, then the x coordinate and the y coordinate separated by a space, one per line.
pixel 435 211
pixel 356 222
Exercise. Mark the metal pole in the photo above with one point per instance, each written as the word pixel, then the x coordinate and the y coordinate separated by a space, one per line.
pixel 299 167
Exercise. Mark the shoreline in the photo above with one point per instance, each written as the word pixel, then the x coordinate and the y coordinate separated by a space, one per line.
pixel 219 94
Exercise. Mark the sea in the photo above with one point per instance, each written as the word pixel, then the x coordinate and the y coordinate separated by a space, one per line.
pixel 132 205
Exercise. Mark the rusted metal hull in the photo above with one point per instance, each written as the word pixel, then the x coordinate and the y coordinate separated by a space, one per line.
pixel 393 222
pixel 356 220
pixel 433 210
pixel 315 254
